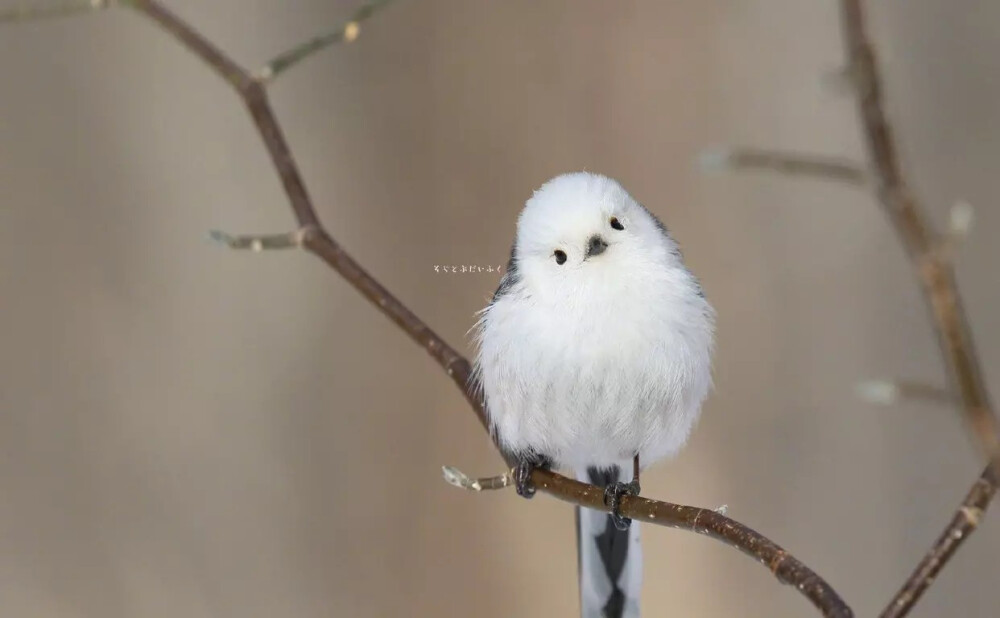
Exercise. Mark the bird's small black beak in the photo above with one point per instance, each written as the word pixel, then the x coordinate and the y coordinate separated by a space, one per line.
pixel 596 246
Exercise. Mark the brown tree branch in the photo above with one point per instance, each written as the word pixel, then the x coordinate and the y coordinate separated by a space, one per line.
pixel 937 278
pixel 313 237
pixel 788 569
pixel 964 523
pixel 711 523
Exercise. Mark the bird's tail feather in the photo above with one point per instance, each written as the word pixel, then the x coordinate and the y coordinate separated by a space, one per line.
pixel 609 560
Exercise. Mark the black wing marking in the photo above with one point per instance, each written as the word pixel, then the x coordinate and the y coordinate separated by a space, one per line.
pixel 677 249
pixel 510 278
pixel 656 220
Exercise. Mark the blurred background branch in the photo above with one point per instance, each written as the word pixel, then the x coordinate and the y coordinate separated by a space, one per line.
pixel 964 523
pixel 891 392
pixel 930 254
pixel 935 272
pixel 937 275
pixel 791 163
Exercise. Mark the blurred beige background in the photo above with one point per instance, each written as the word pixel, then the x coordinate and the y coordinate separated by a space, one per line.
pixel 186 431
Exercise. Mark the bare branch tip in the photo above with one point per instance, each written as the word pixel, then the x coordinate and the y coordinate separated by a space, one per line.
pixel 881 392
pixel 960 219
pixel 717 159
pixel 889 392
pixel 220 238
pixel 454 476
pixel 351 31
pixel 260 242
pixel 264 74
pixel 29 12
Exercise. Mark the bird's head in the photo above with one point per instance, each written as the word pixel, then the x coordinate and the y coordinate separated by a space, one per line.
pixel 585 228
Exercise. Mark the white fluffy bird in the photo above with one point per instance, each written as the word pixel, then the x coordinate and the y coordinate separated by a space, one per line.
pixel 595 354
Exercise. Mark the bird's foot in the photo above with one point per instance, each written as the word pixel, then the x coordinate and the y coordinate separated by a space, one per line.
pixel 522 474
pixel 613 496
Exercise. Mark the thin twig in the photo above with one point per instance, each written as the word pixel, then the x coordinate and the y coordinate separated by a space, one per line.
pixel 888 392
pixel 35 11
pixel 964 523
pixel 792 163
pixel 941 293
pixel 317 240
pixel 346 32
pixel 260 242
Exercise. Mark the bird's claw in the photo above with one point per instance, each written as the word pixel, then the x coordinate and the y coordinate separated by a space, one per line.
pixel 612 498
pixel 522 479
pixel 522 475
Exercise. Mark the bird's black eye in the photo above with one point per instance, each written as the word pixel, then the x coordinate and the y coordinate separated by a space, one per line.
pixel 615 223
pixel 560 256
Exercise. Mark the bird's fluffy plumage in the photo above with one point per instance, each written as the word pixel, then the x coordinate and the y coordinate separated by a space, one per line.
pixel 602 357
pixel 595 348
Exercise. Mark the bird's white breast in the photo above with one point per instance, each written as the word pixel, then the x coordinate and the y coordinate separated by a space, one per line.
pixel 594 375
